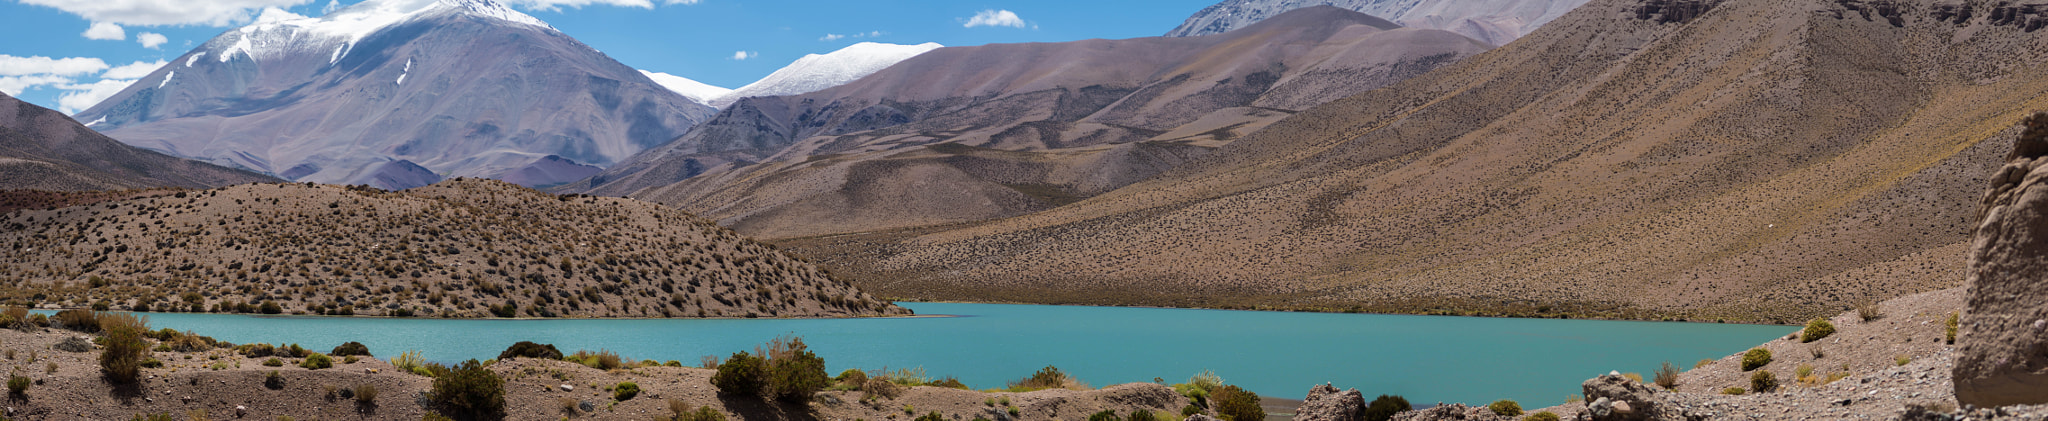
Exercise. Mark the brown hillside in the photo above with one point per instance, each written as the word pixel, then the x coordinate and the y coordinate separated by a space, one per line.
pixel 43 149
pixel 461 248
pixel 1758 160
pixel 977 133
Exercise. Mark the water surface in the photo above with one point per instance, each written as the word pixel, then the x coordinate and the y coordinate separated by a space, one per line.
pixel 1428 359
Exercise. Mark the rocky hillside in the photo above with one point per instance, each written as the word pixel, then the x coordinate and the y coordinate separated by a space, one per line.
pixel 1496 22
pixel 1740 160
pixel 460 248
pixel 42 149
pixel 974 133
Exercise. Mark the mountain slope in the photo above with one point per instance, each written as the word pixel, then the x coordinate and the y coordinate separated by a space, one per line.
pixel 1496 22
pixel 815 72
pixel 460 248
pixel 696 91
pixel 975 133
pixel 1757 160
pixel 378 91
pixel 42 149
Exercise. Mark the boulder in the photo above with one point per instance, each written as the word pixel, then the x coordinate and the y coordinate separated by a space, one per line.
pixel 2002 356
pixel 75 344
pixel 1612 397
pixel 1452 412
pixel 1326 403
pixel 1200 417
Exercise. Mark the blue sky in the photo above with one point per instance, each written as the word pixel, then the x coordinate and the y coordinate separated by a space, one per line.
pixel 64 54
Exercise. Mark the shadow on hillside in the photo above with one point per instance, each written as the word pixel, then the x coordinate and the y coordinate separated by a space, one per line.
pixel 126 393
pixel 758 409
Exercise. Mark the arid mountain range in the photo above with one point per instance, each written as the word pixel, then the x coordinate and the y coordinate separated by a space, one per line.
pixel 459 248
pixel 398 94
pixel 969 134
pixel 1495 22
pixel 1755 160
pixel 42 149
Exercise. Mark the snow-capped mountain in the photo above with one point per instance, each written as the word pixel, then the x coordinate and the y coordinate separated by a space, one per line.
pixel 398 93
pixel 1494 21
pixel 694 90
pixel 816 72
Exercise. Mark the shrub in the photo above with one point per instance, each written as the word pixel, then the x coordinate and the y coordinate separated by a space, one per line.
pixel 933 416
pixel 273 380
pixel 625 391
pixel 1868 311
pixel 258 350
pixel 408 361
pixel 795 373
pixel 77 319
pixel 1763 381
pixel 1191 409
pixel 1816 329
pixel 528 349
pixel 1755 358
pixel 17 385
pixel 273 362
pixel 950 383
pixel 1142 415
pixel 1542 416
pixel 1634 377
pixel 602 359
pixel 1384 407
pixel 1105 415
pixel 317 361
pixel 121 359
pixel 1506 408
pixel 351 349
pixel 470 392
pixel 1703 363
pixel 1667 376
pixel 740 375
pixel 1733 391
pixel 852 377
pixel 877 387
pixel 1236 404
pixel 1049 377
pixel 1951 328
pixel 366 395
pixel 16 316
pixel 705 413
pixel 1902 360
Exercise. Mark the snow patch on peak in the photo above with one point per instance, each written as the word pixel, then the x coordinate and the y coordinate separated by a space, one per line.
pixel 167 80
pixel 407 72
pixel 815 72
pixel 279 29
pixel 195 58
pixel 694 90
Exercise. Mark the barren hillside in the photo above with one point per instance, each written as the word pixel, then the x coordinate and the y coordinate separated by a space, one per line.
pixel 43 149
pixel 460 248
pixel 1756 160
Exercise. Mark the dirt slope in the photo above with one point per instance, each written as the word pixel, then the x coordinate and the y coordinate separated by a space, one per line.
pixel 43 149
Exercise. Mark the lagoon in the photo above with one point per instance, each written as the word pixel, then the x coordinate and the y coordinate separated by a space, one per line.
pixel 1428 359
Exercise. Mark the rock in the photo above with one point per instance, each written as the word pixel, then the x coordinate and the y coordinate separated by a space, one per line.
pixel 1999 359
pixel 241 410
pixel 1621 409
pixel 1601 408
pixel 1200 417
pixel 75 344
pixel 1624 399
pixel 1452 412
pixel 586 406
pixel 1325 403
pixel 568 388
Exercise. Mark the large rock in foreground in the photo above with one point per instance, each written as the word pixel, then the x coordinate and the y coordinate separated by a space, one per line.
pixel 2004 337
pixel 1326 403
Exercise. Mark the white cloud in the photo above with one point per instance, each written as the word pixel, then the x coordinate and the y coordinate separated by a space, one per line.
pixel 134 70
pixel 831 37
pixel 151 40
pixel 83 96
pixel 558 4
pixel 743 55
pixel 39 65
pixel 105 31
pixel 332 5
pixel 164 12
pixel 272 14
pixel 14 85
pixel 996 18
pixel 836 37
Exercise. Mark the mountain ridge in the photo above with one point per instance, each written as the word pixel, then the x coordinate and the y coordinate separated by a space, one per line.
pixel 42 149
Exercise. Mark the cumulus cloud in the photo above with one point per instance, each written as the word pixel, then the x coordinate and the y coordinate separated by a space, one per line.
pixel 14 85
pixel 162 12
pixel 39 65
pixel 995 18
pixel 83 96
pixel 151 40
pixel 332 5
pixel 134 70
pixel 105 31
pixel 743 55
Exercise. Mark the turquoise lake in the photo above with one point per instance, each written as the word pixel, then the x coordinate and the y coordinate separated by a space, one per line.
pixel 1428 359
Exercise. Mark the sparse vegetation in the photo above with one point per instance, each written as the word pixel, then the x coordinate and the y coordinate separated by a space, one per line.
pixel 317 361
pixel 350 349
pixel 528 349
pixel 273 380
pixel 1950 327
pixel 1667 376
pixel 1755 358
pixel 1733 391
pixel 17 386
pixel 1104 415
pixel 1046 378
pixel 794 372
pixel 625 391
pixel 469 392
pixel 1816 329
pixel 1902 360
pixel 1236 404
pixel 366 395
pixel 739 375
pixel 1505 408
pixel 1541 416
pixel 1384 407
pixel 121 359
pixel 1762 381
pixel 1867 311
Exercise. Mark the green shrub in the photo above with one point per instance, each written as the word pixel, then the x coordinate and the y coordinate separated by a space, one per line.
pixel 1816 329
pixel 1542 416
pixel 1755 358
pixel 17 385
pixel 1141 414
pixel 875 386
pixel 1384 407
pixel 794 372
pixel 950 383
pixel 528 349
pixel 408 361
pixel 77 319
pixel 122 355
pixel 740 375
pixel 273 362
pixel 1667 376
pixel 1105 415
pixel 933 416
pixel 317 361
pixel 1733 391
pixel 1763 381
pixel 152 363
pixel 257 350
pixel 603 359
pixel 1191 409
pixel 705 413
pixel 351 349
pixel 366 395
pixel 161 416
pixel 470 392
pixel 625 391
pixel 273 380
pixel 1049 377
pixel 1236 404
pixel 1506 408
pixel 1902 360
pixel 1951 328
pixel 853 377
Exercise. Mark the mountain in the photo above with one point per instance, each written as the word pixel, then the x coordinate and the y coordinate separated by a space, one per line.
pixel 1496 22
pixel 42 149
pixel 459 248
pixel 815 72
pixel 696 91
pixel 1753 160
pixel 975 133
pixel 396 91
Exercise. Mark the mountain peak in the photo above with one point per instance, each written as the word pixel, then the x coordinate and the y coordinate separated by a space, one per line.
pixel 816 72
pixel 276 28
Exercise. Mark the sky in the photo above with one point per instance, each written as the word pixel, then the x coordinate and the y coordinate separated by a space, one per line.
pixel 69 54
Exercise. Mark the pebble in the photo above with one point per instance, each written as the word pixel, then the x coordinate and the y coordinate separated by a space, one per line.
pixel 568 388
